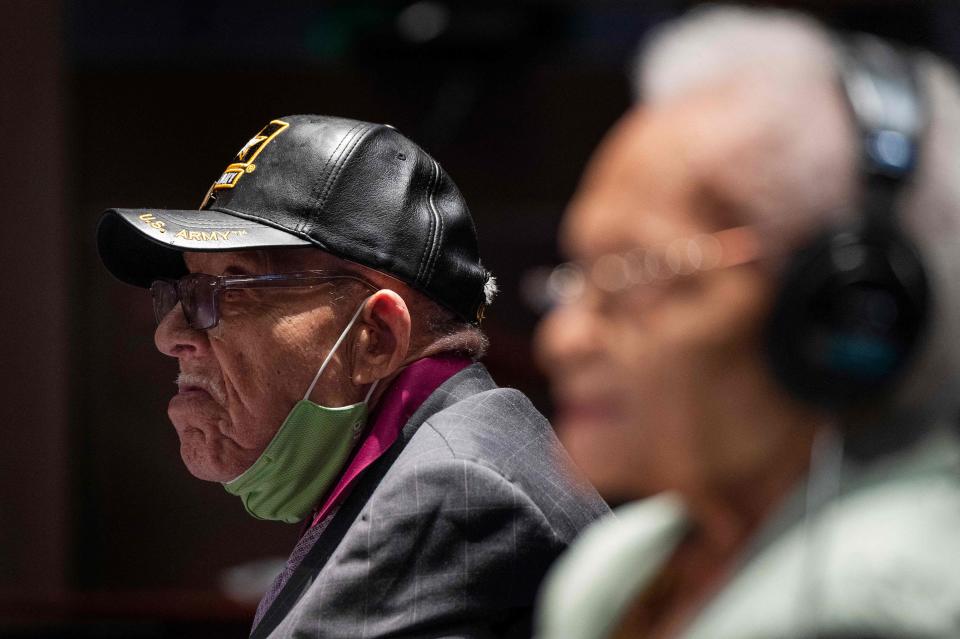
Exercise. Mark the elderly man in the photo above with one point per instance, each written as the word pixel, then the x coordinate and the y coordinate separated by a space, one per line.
pixel 332 273
pixel 760 326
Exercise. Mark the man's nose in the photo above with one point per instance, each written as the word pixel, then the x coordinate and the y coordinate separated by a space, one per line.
pixel 566 337
pixel 176 338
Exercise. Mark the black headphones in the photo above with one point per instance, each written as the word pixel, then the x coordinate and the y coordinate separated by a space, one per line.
pixel 853 304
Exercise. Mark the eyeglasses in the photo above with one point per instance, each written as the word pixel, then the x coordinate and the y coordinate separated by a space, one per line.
pixel 199 293
pixel 615 273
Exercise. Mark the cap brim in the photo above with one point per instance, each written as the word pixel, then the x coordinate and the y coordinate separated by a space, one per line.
pixel 139 246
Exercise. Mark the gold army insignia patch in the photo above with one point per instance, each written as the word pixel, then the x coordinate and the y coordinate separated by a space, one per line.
pixel 244 160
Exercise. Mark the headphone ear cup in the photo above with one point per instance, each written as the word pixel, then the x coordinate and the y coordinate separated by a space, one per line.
pixel 848 316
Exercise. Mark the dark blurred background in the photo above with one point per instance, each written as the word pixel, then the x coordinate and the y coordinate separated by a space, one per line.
pixel 103 533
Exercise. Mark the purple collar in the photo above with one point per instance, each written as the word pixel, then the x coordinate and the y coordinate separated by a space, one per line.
pixel 397 405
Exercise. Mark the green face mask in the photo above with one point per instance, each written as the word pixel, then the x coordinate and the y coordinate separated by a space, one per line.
pixel 305 457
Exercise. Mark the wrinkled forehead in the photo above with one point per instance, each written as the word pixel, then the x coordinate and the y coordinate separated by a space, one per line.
pixel 258 262
pixel 655 178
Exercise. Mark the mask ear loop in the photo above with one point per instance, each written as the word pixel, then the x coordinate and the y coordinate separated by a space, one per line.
pixel 333 350
pixel 373 386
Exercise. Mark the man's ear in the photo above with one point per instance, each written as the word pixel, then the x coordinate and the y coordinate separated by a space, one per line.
pixel 383 339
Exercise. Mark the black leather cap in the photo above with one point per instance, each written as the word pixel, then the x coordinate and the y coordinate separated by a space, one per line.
pixel 360 191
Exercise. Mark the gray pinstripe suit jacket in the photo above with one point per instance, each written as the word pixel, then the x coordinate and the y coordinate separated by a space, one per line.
pixel 449 533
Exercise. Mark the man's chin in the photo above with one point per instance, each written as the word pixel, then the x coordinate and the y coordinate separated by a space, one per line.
pixel 201 472
pixel 203 465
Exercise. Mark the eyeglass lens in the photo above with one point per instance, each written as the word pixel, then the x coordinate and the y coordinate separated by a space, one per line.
pixel 197 294
pixel 165 297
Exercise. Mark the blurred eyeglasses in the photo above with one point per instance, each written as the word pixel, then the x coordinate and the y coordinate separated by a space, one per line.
pixel 199 293
pixel 612 274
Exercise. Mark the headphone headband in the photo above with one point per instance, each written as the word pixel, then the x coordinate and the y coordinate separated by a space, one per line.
pixel 881 89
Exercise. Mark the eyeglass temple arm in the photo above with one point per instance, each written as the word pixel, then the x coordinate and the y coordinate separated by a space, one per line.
pixel 739 245
pixel 286 281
